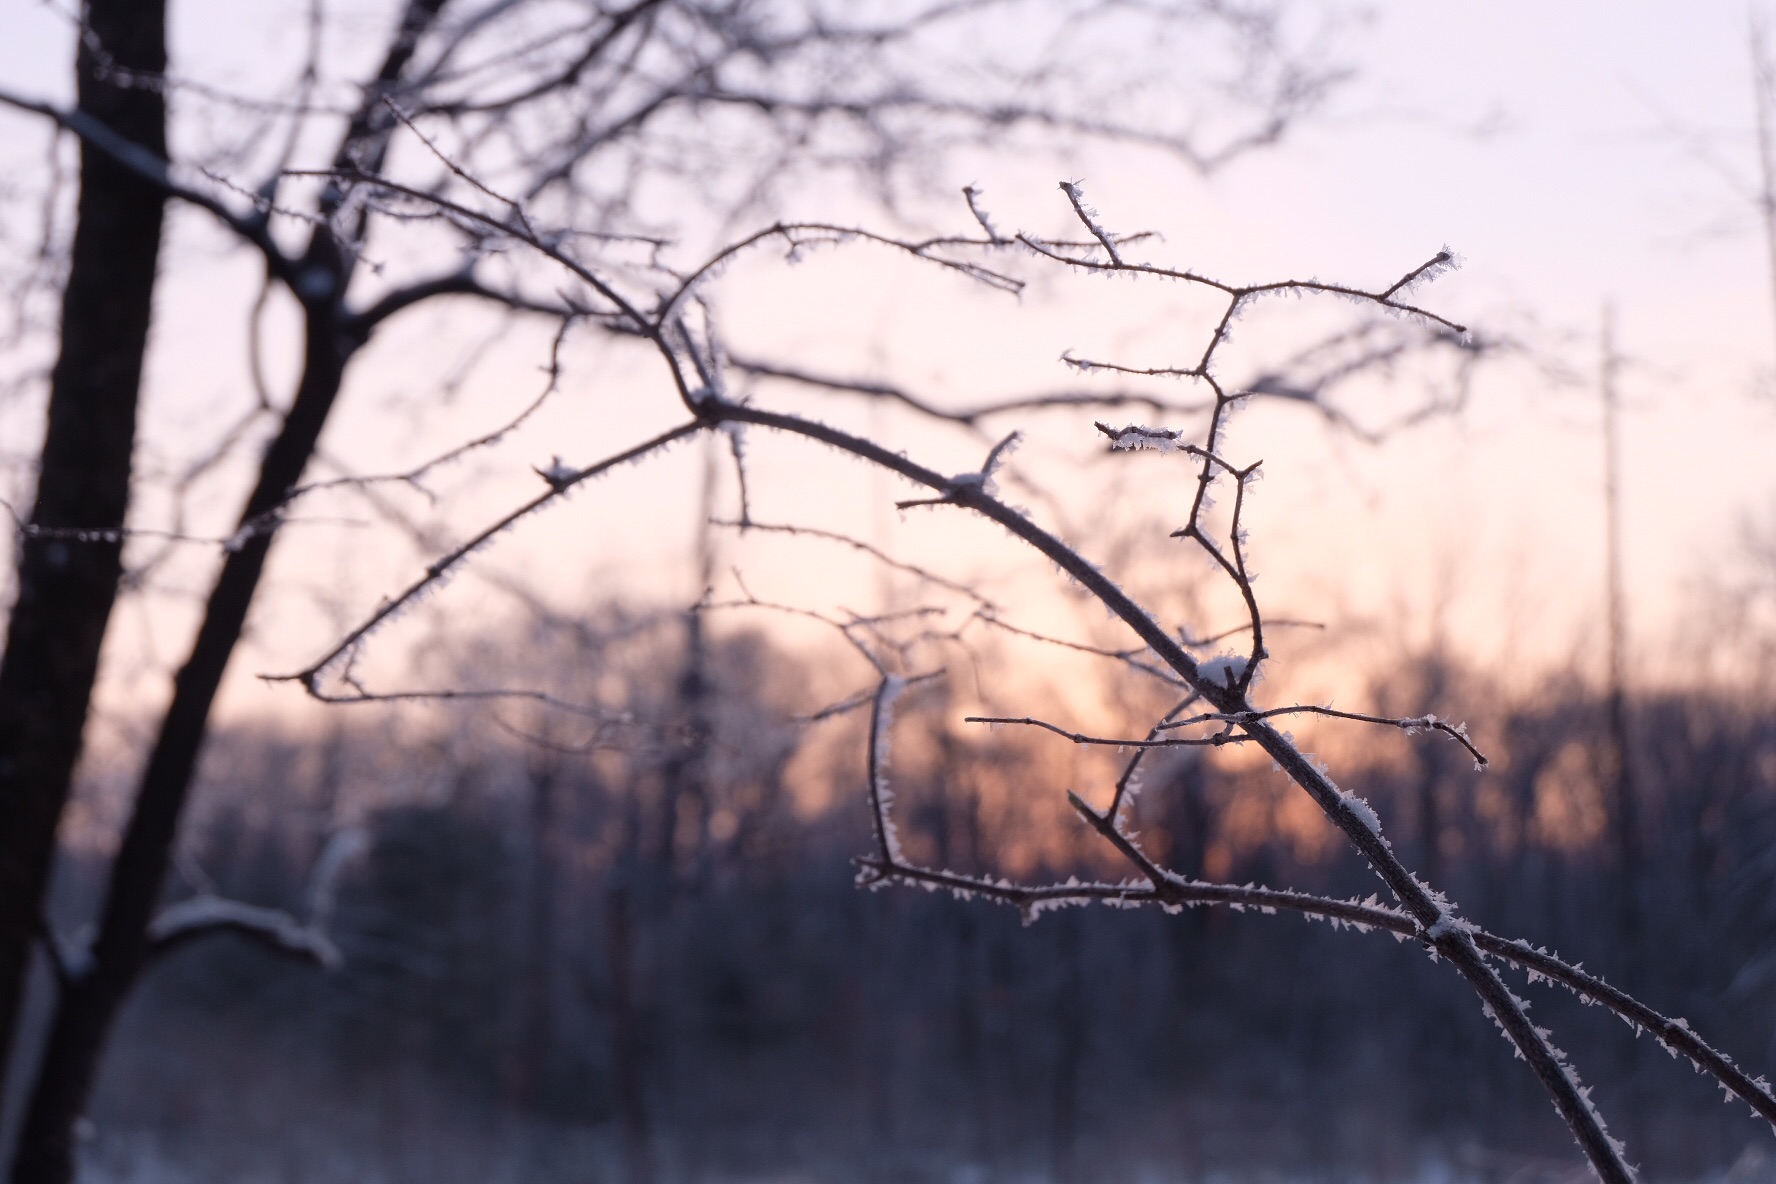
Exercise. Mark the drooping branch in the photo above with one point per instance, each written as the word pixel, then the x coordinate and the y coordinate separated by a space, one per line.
pixel 205 916
pixel 1168 890
pixel 1354 817
pixel 1224 686
pixel 208 914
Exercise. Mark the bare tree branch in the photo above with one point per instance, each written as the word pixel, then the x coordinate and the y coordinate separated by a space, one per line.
pixel 207 915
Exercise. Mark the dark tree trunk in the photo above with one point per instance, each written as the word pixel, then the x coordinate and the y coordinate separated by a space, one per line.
pixel 629 1043
pixel 532 1060
pixel 66 587
pixel 1069 1024
pixel 85 1011
pixel 87 1007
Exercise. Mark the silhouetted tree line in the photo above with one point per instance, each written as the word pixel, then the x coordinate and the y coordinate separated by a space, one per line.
pixel 649 961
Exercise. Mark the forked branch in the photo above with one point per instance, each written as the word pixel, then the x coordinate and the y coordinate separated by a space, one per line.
pixel 693 361
pixel 1160 887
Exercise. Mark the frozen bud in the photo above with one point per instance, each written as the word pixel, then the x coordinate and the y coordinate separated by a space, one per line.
pixel 559 474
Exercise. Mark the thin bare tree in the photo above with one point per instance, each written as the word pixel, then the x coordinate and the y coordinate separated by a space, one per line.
pixel 584 114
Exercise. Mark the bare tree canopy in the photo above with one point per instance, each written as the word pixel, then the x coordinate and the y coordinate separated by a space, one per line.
pixel 616 121
pixel 587 180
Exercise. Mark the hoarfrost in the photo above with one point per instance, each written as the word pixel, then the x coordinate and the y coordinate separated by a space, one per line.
pixel 559 474
pixel 1223 670
pixel 1136 437
pixel 880 728
pixel 1365 813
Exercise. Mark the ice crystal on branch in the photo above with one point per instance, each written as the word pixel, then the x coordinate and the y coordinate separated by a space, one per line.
pixel 1137 437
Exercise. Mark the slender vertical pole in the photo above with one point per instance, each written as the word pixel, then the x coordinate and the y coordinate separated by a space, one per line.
pixel 1623 791
pixel 1763 82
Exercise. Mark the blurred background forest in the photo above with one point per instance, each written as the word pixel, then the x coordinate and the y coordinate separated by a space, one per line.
pixel 556 964
pixel 608 928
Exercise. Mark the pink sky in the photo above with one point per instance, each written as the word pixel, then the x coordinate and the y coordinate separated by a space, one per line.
pixel 1550 145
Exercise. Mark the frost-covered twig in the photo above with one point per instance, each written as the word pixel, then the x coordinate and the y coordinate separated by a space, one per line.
pixel 880 796
pixel 1213 741
pixel 1411 725
pixel 1089 217
pixel 361 694
pixel 415 476
pixel 982 478
pixel 972 196
pixel 1237 293
pixel 973 415
pixel 439 568
pixel 1125 783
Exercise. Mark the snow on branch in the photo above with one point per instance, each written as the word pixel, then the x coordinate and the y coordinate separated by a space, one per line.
pixel 208 914
pixel 203 916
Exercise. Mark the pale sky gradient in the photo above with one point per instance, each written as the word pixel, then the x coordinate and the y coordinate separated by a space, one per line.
pixel 1553 146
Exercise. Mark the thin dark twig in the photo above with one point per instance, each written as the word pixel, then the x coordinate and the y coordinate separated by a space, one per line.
pixel 1127 656
pixel 1238 294
pixel 1214 741
pixel 1408 724
pixel 438 568
pixel 1270 623
pixel 856 544
pixel 512 204
pixel 1089 218
pixel 971 416
pixel 1129 770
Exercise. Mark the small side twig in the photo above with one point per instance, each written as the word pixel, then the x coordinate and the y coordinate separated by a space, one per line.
pixel 1214 741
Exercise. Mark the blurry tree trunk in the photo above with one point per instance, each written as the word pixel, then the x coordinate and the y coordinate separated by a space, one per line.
pixel 972 988
pixel 1069 1021
pixel 684 804
pixel 66 588
pixel 1188 819
pixel 87 1007
pixel 684 798
pixel 1624 793
pixel 536 1037
pixel 628 1041
pixel 89 1003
